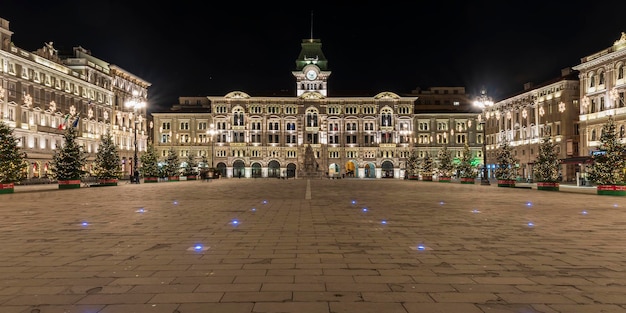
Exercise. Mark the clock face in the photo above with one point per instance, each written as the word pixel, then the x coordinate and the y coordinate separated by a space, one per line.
pixel 311 74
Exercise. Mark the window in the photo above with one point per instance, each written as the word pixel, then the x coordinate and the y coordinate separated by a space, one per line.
pixel 165 126
pixel 291 126
pixel 184 125
pixel 423 125
pixel 385 117
pixel 238 117
pixel 311 118
pixel 202 125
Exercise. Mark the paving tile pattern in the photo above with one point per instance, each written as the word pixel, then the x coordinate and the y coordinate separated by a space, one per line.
pixel 355 246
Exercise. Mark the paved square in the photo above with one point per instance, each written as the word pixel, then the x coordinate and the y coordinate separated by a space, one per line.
pixel 311 246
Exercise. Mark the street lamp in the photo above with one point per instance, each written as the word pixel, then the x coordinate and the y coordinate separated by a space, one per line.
pixel 136 104
pixel 211 132
pixel 483 101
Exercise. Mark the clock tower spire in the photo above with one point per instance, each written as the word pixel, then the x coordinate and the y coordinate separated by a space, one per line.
pixel 311 71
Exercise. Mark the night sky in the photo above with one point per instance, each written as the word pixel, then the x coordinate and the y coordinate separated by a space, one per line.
pixel 210 49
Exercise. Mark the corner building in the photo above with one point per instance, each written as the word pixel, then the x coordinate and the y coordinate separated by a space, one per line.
pixel 369 136
pixel 39 88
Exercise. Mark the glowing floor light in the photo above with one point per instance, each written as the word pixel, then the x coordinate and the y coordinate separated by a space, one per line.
pixel 353 202
pixel 441 203
pixel 235 222
pixel 197 247
pixel 421 247
pixel 84 224
pixel 141 210
pixel 253 209
pixel 584 212
pixel 530 224
pixel 264 201
pixel 175 202
pixel 475 211
pixel 529 204
pixel 383 222
pixel 364 209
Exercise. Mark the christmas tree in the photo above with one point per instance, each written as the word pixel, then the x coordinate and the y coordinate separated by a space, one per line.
pixel 149 162
pixel 68 161
pixel 11 158
pixel 413 164
pixel 427 167
pixel 546 168
pixel 444 157
pixel 505 162
pixel 608 163
pixel 107 164
pixel 465 167
pixel 190 166
pixel 172 164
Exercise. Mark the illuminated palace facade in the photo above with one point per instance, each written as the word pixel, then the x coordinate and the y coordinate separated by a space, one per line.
pixel 356 136
pixel 38 89
pixel 602 89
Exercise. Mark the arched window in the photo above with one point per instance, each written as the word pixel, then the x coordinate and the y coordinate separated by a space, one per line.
pixel 385 117
pixel 311 117
pixel 593 135
pixel 621 131
pixel 238 117
pixel 620 71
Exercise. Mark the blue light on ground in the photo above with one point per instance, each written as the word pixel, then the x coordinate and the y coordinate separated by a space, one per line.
pixel 84 224
pixel 235 222
pixel 584 212
pixel 529 204
pixel 253 210
pixel 475 211
pixel 364 210
pixel 531 224
pixel 197 247
pixel 353 202
pixel 421 247
pixel 441 203
pixel 264 201
pixel 140 210
pixel 175 202
pixel 383 222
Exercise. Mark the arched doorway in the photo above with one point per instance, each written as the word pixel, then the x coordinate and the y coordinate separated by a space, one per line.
pixel 333 170
pixel 291 170
pixel 239 169
pixel 387 169
pixel 221 169
pixel 256 170
pixel 370 170
pixel 351 169
pixel 273 169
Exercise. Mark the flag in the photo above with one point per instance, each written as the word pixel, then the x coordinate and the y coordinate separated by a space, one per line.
pixel 62 125
pixel 76 121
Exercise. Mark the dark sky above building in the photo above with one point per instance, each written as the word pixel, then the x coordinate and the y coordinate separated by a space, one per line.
pixel 202 48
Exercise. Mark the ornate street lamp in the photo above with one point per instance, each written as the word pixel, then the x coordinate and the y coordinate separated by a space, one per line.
pixel 483 102
pixel 135 103
pixel 211 132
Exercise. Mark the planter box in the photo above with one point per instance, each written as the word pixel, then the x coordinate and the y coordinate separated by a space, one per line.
pixel 468 180
pixel 6 188
pixel 611 190
pixel 547 185
pixel 69 184
pixel 108 182
pixel 506 183
pixel 173 178
pixel 192 177
pixel 413 177
pixel 150 179
pixel 445 179
pixel 427 178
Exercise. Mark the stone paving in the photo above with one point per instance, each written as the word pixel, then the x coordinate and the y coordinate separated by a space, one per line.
pixel 311 246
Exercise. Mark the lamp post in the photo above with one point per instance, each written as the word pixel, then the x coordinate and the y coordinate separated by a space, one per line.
pixel 483 101
pixel 211 132
pixel 135 104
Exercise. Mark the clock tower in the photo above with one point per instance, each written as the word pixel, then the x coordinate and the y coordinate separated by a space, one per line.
pixel 311 71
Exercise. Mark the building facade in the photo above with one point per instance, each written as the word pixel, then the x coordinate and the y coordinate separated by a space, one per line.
pixel 358 136
pixel 549 110
pixel 42 92
pixel 602 90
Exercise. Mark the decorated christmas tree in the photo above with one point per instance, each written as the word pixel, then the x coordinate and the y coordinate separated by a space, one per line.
pixel 11 157
pixel 427 167
pixel 107 164
pixel 608 162
pixel 190 166
pixel 68 161
pixel 172 164
pixel 413 164
pixel 465 166
pixel 546 168
pixel 444 158
pixel 506 163
pixel 149 162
